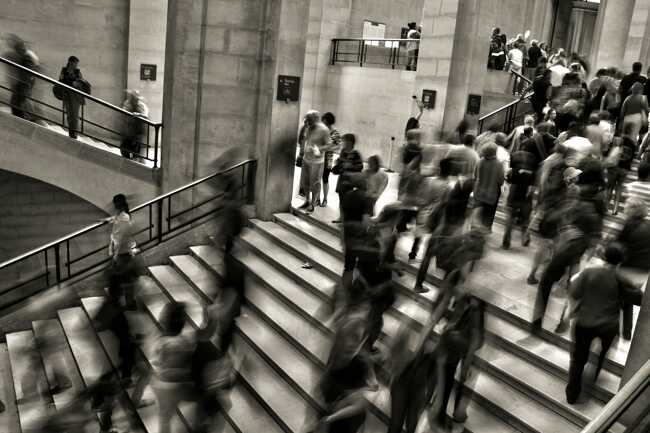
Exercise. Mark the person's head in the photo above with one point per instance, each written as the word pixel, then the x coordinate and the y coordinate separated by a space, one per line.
pixel 534 43
pixel 637 88
pixel 528 131
pixel 614 253
pixel 602 72
pixel 172 318
pixel 414 136
pixel 500 139
pixel 16 43
pixel 446 167
pixel 529 120
pixel 547 72
pixel 348 140
pixel 412 26
pixel 637 67
pixel 328 119
pixel 374 163
pixel 550 115
pixel 468 140
pixel 594 119
pixel 73 62
pixel 496 31
pixel 571 79
pixel 643 172
pixel 612 71
pixel 576 129
pixel 635 208
pixel 489 150
pixel 120 203
pixel 312 117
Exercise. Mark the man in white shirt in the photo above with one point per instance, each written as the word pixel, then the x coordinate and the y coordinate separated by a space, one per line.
pixel 376 179
pixel 412 47
pixel 558 71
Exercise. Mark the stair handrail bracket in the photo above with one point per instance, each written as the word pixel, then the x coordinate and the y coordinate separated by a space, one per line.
pixel 154 222
pixel 145 147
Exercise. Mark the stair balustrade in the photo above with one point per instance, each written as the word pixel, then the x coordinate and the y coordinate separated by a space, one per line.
pixel 155 221
pixel 99 120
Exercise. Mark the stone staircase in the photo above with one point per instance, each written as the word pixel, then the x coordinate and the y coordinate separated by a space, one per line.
pixel 285 343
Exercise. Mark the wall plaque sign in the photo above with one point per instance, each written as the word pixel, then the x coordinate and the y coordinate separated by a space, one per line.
pixel 147 72
pixel 288 88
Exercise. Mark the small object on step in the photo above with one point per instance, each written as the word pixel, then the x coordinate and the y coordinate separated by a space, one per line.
pixel 420 289
pixel 562 327
pixel 307 265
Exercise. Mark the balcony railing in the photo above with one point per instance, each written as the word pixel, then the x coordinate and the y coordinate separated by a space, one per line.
pixel 154 222
pixel 98 119
pixel 391 53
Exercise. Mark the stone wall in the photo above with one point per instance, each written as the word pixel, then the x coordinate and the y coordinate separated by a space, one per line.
pixel 148 21
pixel 96 31
pixel 33 213
pixel 372 103
pixel 395 14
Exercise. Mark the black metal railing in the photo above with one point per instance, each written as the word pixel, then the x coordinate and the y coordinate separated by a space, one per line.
pixel 511 114
pixel 375 52
pixel 154 222
pixel 628 411
pixel 99 120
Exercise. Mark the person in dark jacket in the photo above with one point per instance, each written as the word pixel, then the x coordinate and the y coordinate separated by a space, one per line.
pixel 21 82
pixel 521 177
pixel 487 188
pixel 71 75
pixel 600 291
pixel 541 93
pixel 348 163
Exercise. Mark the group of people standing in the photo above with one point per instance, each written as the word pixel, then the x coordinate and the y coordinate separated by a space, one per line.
pixel 22 85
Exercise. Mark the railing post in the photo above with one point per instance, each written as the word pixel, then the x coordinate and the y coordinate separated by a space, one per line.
pixel 57 262
pixel 250 185
pixel 159 221
pixel 82 115
pixel 155 147
pixel 393 55
pixel 360 53
pixel 335 47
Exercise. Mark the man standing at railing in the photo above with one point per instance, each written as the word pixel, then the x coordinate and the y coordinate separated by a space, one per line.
pixel 22 82
pixel 317 142
pixel 71 75
pixel 412 47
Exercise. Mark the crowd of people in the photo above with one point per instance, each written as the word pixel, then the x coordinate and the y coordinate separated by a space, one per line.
pixel 133 131
pixel 560 173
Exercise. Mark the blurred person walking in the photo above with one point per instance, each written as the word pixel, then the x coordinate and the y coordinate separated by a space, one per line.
pixel 634 112
pixel 122 248
pixel 348 163
pixel 521 177
pixel 135 129
pixel 376 180
pixel 599 291
pixel 487 188
pixel 21 82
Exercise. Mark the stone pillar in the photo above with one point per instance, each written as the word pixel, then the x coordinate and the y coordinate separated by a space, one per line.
pixel 638 355
pixel 181 91
pixel 637 38
pixel 147 23
pixel 328 19
pixel 283 54
pixel 611 34
pixel 434 61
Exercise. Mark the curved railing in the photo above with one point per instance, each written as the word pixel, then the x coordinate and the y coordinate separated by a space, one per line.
pixel 510 114
pixel 376 52
pixel 86 250
pixel 629 408
pixel 99 120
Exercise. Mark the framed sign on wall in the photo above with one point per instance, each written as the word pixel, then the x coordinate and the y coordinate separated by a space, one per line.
pixel 288 88
pixel 474 104
pixel 147 72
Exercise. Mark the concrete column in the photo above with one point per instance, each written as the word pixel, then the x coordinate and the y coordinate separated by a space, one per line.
pixel 181 91
pixel 283 54
pixel 328 19
pixel 434 61
pixel 638 355
pixel 147 24
pixel 636 39
pixel 611 35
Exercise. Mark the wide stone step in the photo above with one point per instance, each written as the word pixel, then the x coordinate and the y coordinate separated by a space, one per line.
pixel 92 359
pixel 9 419
pixel 204 281
pixel 518 311
pixel 29 381
pixel 314 341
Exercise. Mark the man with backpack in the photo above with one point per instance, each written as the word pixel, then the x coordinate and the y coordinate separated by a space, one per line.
pixel 522 179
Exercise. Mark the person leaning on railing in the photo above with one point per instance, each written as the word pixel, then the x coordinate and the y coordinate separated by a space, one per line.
pixel 135 127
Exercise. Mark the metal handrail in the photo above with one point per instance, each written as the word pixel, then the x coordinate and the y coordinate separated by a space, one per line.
pixel 375 39
pixel 358 50
pixel 623 399
pixel 77 91
pixel 135 209
pixel 505 107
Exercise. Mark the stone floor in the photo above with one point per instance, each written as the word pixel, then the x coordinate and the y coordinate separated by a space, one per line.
pixel 499 277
